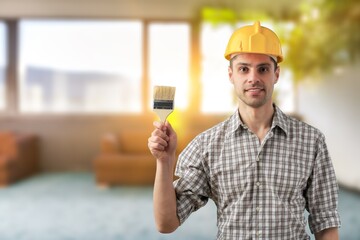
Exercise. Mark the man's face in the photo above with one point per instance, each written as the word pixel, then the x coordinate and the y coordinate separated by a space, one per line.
pixel 253 77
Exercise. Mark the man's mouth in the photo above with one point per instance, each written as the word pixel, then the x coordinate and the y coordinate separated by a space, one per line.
pixel 254 89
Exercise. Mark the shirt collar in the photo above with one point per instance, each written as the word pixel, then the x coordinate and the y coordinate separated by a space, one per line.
pixel 235 122
pixel 279 120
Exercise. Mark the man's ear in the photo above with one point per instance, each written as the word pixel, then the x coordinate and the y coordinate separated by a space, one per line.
pixel 230 73
pixel 277 74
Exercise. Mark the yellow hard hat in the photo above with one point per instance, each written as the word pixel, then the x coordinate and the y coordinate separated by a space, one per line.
pixel 254 39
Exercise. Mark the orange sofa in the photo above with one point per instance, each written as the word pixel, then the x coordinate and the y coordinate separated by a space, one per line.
pixel 18 156
pixel 125 159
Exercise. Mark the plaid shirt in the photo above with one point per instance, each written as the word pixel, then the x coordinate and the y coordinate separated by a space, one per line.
pixel 260 189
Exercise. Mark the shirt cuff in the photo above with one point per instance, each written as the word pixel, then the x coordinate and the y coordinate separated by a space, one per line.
pixel 324 220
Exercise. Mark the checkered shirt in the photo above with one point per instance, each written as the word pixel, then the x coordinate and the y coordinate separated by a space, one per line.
pixel 261 190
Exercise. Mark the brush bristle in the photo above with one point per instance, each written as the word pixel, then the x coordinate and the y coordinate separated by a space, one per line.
pixel 164 93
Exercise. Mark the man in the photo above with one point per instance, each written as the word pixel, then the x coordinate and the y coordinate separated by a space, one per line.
pixel 260 167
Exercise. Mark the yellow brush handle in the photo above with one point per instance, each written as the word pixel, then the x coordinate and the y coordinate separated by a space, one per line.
pixel 163 113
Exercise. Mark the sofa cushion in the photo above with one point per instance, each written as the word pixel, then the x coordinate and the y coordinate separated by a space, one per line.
pixel 134 141
pixel 109 143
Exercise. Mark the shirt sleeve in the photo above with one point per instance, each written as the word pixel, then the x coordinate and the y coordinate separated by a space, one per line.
pixel 192 189
pixel 322 192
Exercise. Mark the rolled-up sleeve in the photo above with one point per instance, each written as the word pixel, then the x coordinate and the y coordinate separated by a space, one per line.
pixel 192 189
pixel 322 192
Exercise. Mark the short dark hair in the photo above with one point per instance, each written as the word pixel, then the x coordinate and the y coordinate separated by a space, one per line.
pixel 272 59
pixel 275 63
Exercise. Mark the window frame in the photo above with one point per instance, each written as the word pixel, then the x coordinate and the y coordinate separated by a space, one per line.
pixel 5 56
pixel 12 74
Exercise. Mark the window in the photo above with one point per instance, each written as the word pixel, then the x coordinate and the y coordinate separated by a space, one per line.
pixel 169 55
pixel 3 64
pixel 80 66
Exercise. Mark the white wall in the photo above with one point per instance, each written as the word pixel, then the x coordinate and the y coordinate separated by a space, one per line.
pixel 332 105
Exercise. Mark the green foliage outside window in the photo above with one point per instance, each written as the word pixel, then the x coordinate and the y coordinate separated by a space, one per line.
pixel 326 36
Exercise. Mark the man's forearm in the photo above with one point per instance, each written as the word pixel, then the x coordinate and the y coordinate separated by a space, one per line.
pixel 328 234
pixel 165 199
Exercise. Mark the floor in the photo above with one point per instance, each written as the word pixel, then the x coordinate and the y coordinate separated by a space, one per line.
pixel 69 206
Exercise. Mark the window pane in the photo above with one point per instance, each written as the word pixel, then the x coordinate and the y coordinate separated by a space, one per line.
pixel 218 96
pixel 2 64
pixel 169 50
pixel 80 66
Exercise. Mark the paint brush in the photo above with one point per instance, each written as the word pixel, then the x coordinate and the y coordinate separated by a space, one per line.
pixel 163 101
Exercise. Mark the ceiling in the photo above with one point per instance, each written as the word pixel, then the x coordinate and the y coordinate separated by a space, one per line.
pixel 145 9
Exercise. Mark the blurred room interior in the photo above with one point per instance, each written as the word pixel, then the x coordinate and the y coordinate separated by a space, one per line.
pixel 78 75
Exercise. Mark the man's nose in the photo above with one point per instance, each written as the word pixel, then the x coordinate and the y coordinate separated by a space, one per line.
pixel 253 76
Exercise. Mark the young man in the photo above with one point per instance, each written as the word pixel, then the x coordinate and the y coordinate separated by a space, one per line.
pixel 260 167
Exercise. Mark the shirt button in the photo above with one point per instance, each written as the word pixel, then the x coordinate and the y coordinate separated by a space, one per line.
pixel 258 159
pixel 258 209
pixel 258 233
pixel 258 184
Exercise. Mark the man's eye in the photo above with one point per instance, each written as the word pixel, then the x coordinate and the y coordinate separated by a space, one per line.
pixel 243 69
pixel 263 69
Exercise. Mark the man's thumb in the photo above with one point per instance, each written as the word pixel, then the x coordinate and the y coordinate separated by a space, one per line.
pixel 169 127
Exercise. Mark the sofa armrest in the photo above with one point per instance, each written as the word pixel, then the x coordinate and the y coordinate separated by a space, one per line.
pixel 18 156
pixel 110 144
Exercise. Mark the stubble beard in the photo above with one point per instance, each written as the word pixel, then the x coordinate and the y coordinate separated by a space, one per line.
pixel 254 101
